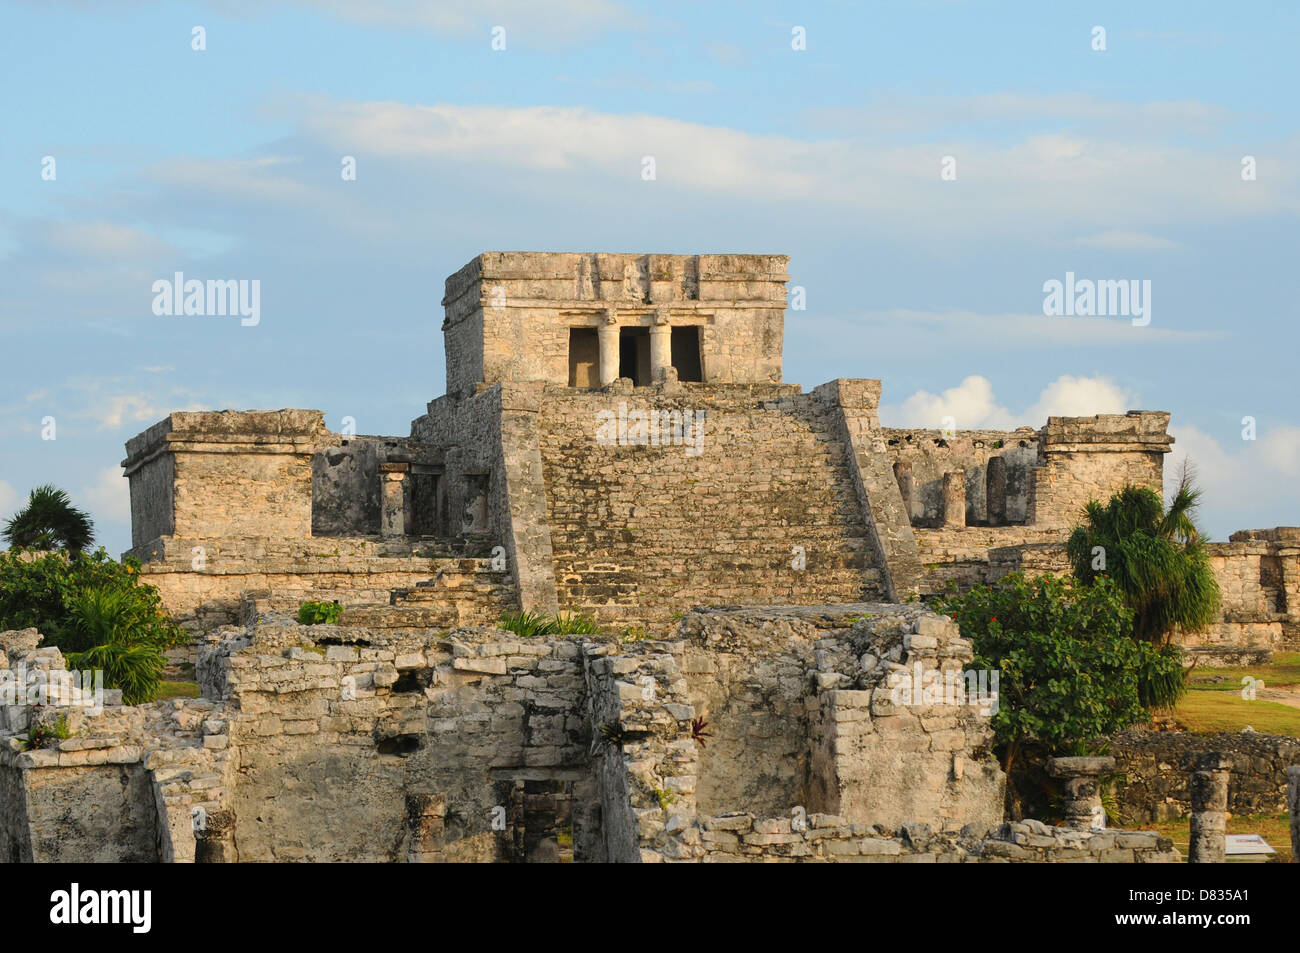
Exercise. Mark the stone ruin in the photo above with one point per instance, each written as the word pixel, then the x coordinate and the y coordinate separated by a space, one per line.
pixel 615 441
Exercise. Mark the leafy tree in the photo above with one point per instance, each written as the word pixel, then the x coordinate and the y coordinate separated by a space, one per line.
pixel 96 611
pixel 1069 669
pixel 49 521
pixel 1155 555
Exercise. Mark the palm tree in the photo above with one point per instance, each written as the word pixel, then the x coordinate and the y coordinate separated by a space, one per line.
pixel 1156 555
pixel 49 521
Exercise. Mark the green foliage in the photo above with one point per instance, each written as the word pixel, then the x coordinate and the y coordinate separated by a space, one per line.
pixel 49 521
pixel 1157 558
pixel 96 611
pixel 1068 666
pixel 530 624
pixel 319 613
pixel 135 668
pixel 37 592
pixel 48 736
pixel 664 797
pixel 574 624
pixel 526 624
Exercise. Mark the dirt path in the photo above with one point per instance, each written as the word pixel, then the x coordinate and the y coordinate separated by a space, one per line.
pixel 1290 695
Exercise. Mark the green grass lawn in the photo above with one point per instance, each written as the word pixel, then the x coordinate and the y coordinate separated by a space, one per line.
pixel 1274 828
pixel 1208 713
pixel 1210 707
pixel 168 690
pixel 1282 671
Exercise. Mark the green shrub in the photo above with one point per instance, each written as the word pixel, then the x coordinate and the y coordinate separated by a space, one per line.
pixel 574 624
pixel 1069 668
pixel 38 592
pixel 531 624
pixel 319 613
pixel 48 736
pixel 96 611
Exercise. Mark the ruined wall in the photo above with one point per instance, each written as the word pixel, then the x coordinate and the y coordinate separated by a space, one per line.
pixel 854 406
pixel 802 706
pixel 366 745
pixel 925 456
pixel 113 783
pixel 1156 767
pixel 1086 458
pixel 491 449
pixel 826 838
pixel 509 314
pixel 641 530
pixel 232 473
pixel 204 594
pixel 345 488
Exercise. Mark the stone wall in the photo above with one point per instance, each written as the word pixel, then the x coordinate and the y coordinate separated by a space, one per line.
pixel 227 473
pixel 202 581
pixel 1087 458
pixel 509 314
pixel 346 487
pixel 121 785
pixel 491 448
pixel 824 838
pixel 1156 769
pixel 922 458
pixel 365 745
pixel 760 509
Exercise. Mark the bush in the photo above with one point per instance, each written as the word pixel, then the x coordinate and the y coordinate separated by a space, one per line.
pixel 319 613
pixel 1069 668
pixel 96 611
pixel 530 624
pixel 38 592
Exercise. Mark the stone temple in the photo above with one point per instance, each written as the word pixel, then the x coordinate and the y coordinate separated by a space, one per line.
pixel 616 441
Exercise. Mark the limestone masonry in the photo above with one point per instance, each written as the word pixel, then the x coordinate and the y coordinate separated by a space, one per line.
pixel 616 440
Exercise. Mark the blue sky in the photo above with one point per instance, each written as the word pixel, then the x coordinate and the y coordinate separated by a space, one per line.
pixel 1123 163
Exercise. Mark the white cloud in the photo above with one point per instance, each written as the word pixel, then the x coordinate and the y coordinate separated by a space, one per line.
pixel 1069 396
pixel 109 496
pixel 1064 184
pixel 1280 448
pixel 102 240
pixel 972 405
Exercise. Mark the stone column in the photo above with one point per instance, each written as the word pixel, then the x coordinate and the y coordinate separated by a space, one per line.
pixel 906 484
pixel 1293 804
pixel 214 841
pixel 392 499
pixel 954 499
pixel 1083 808
pixel 607 336
pixel 995 491
pixel 1209 790
pixel 661 346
